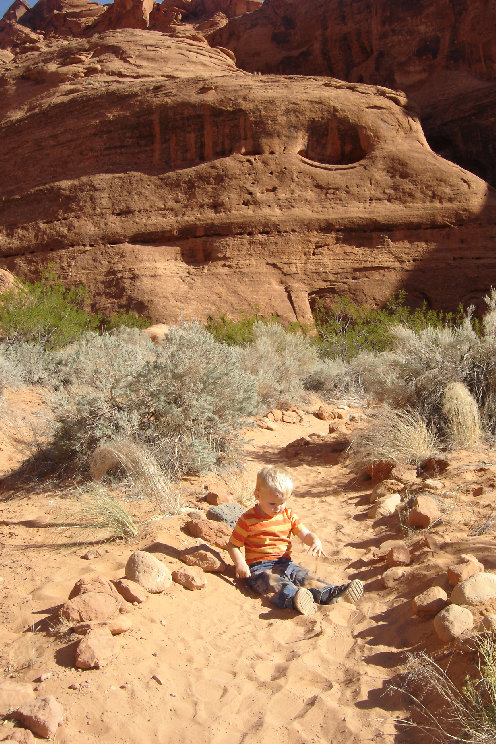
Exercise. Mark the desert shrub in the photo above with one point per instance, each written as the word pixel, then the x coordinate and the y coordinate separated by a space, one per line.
pixel 123 318
pixel 399 436
pixel 280 361
pixel 466 715
pixel 23 363
pixel 99 509
pixel 346 329
pixel 334 378
pixel 461 414
pixel 46 312
pixel 184 399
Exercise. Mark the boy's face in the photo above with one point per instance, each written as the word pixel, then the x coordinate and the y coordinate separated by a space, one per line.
pixel 271 502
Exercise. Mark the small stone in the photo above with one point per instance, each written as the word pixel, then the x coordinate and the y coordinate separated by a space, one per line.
pixel 398 555
pixel 467 566
pixel 477 589
pixel 14 694
pixel 430 602
pixel 90 606
pixel 452 622
pixel 218 498
pixel 97 649
pixel 291 417
pixel 478 491
pixel 91 554
pixel 116 625
pixel 19 736
pixel 385 488
pixel 380 470
pixel 42 716
pixel 192 577
pixel 228 513
pixel 213 533
pixel 195 513
pixel 148 571
pixel 203 556
pixel 385 507
pixel 424 512
pixel 433 466
pixel 131 591
pixel 265 423
pixel 325 413
pixel 157 679
pixel 74 686
pixel 433 484
pixel 276 414
pixel 390 577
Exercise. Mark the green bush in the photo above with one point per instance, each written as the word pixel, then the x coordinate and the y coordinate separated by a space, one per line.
pixel 241 332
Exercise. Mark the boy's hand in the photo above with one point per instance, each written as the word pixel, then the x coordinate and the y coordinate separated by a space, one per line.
pixel 315 548
pixel 243 572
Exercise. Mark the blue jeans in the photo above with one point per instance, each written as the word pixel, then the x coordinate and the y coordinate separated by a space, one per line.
pixel 279 580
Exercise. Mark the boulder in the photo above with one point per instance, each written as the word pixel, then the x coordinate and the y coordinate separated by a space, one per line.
pixel 13 694
pixel 192 577
pixel 42 716
pixel 158 332
pixel 131 591
pixel 489 623
pixel 213 533
pixel 452 622
pixel 148 571
pixel 424 512
pixel 466 566
pixel 399 555
pixel 430 602
pixel 96 650
pixel 385 506
pixel 390 577
pixel 228 513
pixel 116 626
pixel 476 590
pixel 203 556
pixel 90 606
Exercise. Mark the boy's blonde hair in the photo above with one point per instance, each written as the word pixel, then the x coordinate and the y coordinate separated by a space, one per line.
pixel 275 478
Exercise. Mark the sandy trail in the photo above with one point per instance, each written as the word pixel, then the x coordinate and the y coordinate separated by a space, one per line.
pixel 232 669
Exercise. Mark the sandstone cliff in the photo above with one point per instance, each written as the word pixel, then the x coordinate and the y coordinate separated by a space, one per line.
pixel 171 182
pixel 442 54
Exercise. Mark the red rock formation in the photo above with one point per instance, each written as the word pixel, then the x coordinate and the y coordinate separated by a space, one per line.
pixel 442 54
pixel 62 17
pixel 170 182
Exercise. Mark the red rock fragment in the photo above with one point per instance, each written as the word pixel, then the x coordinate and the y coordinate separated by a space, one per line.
pixel 467 566
pixel 131 591
pixel 399 555
pixel 42 716
pixel 213 533
pixel 204 557
pixel 424 512
pixel 192 577
pixel 96 650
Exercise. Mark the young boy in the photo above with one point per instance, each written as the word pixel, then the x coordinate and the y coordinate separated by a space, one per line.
pixel 264 531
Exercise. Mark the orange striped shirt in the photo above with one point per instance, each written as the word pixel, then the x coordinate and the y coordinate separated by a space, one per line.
pixel 265 538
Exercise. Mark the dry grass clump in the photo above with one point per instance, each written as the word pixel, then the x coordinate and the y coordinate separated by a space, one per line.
pixel 146 478
pixel 466 715
pixel 461 414
pixel 401 437
pixel 100 510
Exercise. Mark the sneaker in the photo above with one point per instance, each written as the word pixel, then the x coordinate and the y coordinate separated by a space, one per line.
pixel 303 602
pixel 353 592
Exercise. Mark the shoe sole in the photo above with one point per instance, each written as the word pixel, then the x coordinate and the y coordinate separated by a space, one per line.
pixel 304 603
pixel 353 592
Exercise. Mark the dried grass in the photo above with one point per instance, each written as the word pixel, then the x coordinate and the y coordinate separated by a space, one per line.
pixel 100 510
pixel 461 414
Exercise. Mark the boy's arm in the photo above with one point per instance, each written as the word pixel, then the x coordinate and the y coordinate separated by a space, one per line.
pixel 241 566
pixel 311 539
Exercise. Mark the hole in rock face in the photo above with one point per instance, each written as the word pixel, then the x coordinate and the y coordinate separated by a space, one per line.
pixel 335 142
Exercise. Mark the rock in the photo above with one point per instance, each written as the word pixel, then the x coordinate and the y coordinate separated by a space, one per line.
pixel 399 555
pixel 19 736
pixel 430 602
pixel 191 578
pixel 14 694
pixel 228 513
pixel 291 417
pixel 91 554
pixel 203 556
pixel 194 513
pixel 116 626
pixel 390 577
pixel 265 423
pixel 276 414
pixel 433 466
pixel 380 470
pixel 467 566
pixel 385 506
pixel 94 584
pixel 217 534
pixel 96 650
pixel 452 622
pixel 42 716
pixel 90 606
pixel 424 512
pixel 131 591
pixel 385 488
pixel 158 332
pixel 326 413
pixel 477 589
pixel 148 571
pixel 433 485
pixel 489 623
pixel 218 498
